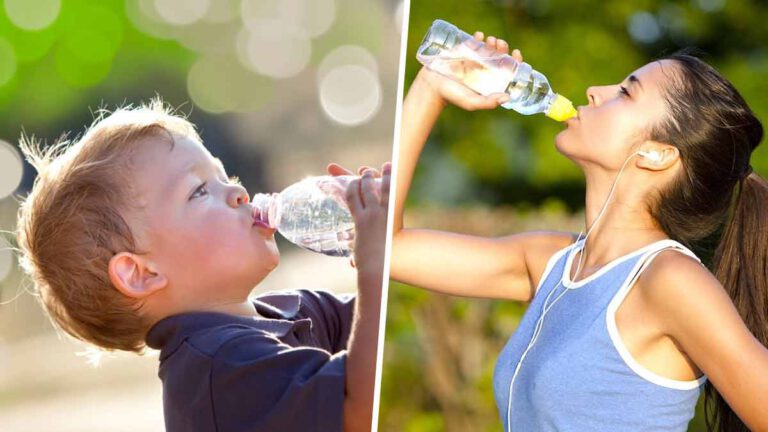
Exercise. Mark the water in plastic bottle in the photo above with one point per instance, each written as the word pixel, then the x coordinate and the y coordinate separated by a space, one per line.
pixel 451 52
pixel 312 214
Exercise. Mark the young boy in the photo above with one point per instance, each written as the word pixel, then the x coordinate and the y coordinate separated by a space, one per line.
pixel 135 236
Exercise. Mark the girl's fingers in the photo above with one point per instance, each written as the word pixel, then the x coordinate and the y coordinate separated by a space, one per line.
pixel 479 35
pixel 490 42
pixel 476 102
pixel 502 46
pixel 517 55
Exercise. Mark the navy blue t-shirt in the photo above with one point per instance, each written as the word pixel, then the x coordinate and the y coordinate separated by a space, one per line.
pixel 283 371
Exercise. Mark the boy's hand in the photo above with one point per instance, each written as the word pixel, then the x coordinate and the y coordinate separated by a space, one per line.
pixel 369 210
pixel 336 170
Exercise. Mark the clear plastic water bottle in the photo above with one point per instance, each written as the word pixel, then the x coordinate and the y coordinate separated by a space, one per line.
pixel 312 214
pixel 453 53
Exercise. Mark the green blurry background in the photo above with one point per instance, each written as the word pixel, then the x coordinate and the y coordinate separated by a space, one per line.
pixel 498 172
pixel 277 88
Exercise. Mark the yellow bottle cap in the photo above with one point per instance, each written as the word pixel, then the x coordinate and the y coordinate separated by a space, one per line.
pixel 562 109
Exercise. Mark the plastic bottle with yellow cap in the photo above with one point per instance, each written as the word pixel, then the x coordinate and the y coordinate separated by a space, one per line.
pixel 451 52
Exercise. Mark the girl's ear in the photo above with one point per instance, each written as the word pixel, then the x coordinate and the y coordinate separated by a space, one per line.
pixel 135 276
pixel 658 157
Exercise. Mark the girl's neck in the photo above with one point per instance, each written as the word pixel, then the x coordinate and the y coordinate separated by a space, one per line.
pixel 626 224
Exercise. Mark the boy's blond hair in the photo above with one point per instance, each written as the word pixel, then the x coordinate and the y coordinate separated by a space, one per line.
pixel 74 221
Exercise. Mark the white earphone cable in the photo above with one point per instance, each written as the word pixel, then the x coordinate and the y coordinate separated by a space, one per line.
pixel 545 308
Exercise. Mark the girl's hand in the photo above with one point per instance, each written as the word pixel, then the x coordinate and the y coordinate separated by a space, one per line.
pixel 461 95
pixel 369 211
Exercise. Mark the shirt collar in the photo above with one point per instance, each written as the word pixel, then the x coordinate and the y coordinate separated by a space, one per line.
pixel 277 311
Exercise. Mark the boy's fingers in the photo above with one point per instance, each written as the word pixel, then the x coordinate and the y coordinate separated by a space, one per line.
pixel 362 169
pixel 352 195
pixel 385 179
pixel 479 35
pixel 368 189
pixel 335 169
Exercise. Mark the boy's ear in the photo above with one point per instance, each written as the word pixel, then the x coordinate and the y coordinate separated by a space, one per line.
pixel 135 276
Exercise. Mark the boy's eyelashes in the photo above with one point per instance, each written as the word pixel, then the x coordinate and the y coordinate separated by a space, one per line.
pixel 202 189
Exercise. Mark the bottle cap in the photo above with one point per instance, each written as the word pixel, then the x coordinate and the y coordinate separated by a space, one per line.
pixel 561 109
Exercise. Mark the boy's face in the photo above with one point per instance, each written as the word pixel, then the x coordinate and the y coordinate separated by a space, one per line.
pixel 197 226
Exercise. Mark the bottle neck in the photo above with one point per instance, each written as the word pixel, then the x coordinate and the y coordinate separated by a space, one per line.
pixel 265 209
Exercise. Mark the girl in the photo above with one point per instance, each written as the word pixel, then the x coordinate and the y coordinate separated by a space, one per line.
pixel 625 325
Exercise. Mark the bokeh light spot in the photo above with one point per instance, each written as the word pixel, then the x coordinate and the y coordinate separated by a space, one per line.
pixel 7 62
pixel 181 12
pixel 32 15
pixel 221 11
pixel 642 27
pixel 314 17
pixel 11 169
pixel 255 11
pixel 274 50
pixel 350 94
pixel 710 5
pixel 347 55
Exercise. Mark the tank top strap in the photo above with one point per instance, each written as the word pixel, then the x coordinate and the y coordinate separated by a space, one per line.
pixel 653 250
pixel 554 269
pixel 643 262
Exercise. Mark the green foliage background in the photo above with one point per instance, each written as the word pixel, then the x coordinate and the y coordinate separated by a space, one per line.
pixel 507 162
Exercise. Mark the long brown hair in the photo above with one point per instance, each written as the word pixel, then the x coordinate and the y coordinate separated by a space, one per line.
pixel 717 194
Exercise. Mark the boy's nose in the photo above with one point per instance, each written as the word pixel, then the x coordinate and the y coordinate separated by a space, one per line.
pixel 238 196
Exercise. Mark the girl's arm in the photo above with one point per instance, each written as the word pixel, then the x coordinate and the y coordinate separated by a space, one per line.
pixel 464 265
pixel 695 310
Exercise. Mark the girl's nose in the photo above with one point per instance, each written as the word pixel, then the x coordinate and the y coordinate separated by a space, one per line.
pixel 593 96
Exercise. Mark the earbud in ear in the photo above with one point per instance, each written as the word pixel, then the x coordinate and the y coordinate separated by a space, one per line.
pixel 652 156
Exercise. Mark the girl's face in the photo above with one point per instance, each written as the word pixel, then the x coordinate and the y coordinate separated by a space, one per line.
pixel 616 118
pixel 198 225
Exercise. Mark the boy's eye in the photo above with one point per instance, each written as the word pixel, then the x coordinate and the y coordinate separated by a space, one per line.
pixel 201 189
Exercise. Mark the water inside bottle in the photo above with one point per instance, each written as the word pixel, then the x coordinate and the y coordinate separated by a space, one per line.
pixel 317 218
pixel 527 93
pixel 486 72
